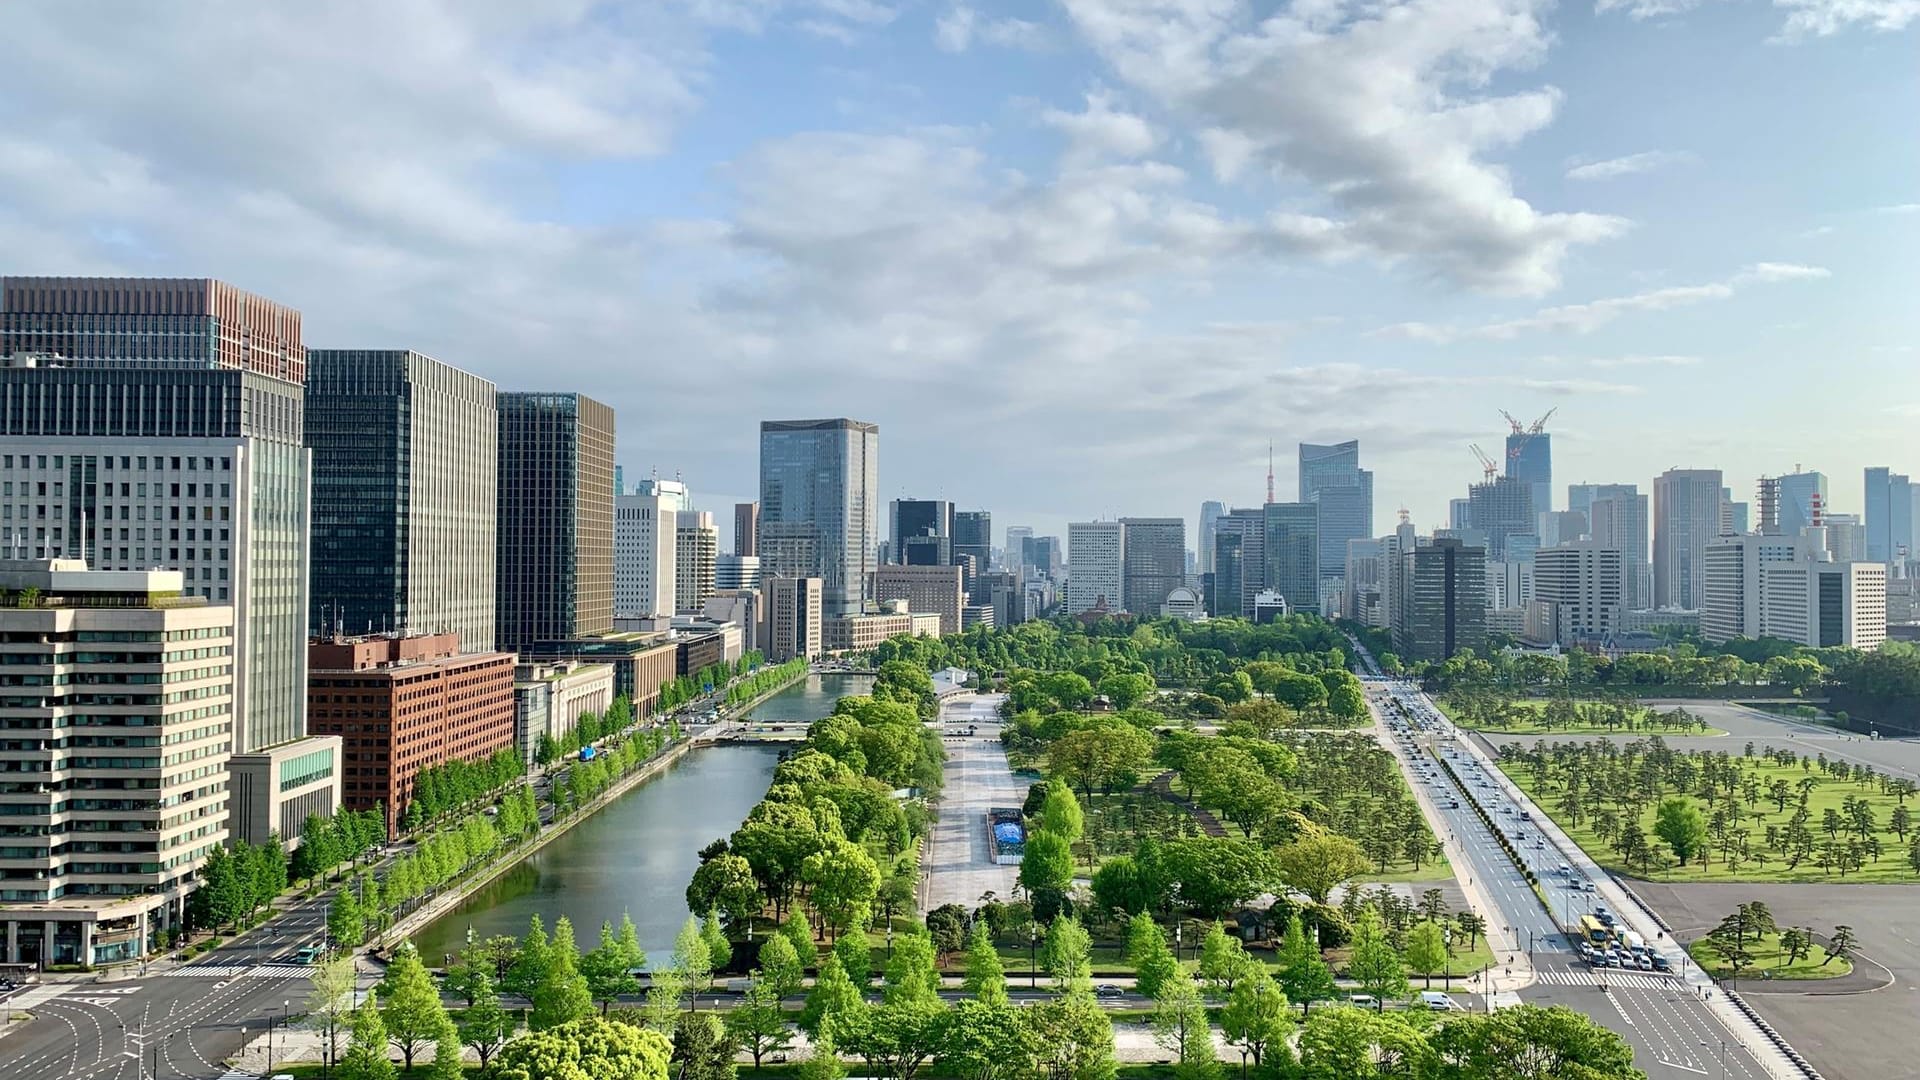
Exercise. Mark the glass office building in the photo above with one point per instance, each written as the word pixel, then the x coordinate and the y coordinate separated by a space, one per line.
pixel 553 548
pixel 819 493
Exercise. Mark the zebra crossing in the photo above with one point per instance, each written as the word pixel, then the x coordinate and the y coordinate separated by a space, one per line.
pixel 242 971
pixel 1623 978
pixel 34 995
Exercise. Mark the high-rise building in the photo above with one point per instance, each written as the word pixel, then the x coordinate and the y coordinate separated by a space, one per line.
pixel 1617 518
pixel 1292 553
pixel 646 548
pixel 555 519
pixel 1360 592
pixel 1016 551
pixel 791 614
pixel 1211 511
pixel 1459 514
pixel 117 792
pixel 1249 572
pixel 735 572
pixel 926 589
pixel 1578 593
pixel 1226 582
pixel 1733 514
pixel 1556 527
pixel 1332 477
pixel 1889 513
pixel 696 547
pixel 973 537
pixel 819 482
pixel 404 487
pixel 1042 556
pixel 151 323
pixel 920 532
pixel 1580 497
pixel 1823 604
pixel 1394 582
pixel 1154 562
pixel 1096 573
pixel 1731 604
pixel 403 704
pixel 1803 500
pixel 1846 538
pixel 1500 508
pixel 1444 609
pixel 746 528
pixel 1686 517
pixel 1530 461
pixel 201 470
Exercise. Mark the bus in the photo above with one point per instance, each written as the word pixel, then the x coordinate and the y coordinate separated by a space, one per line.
pixel 1593 929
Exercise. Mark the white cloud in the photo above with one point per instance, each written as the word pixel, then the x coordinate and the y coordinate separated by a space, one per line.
pixel 960 26
pixel 1384 110
pixel 1646 9
pixel 1612 168
pixel 1901 208
pixel 1102 132
pixel 1822 18
pixel 1588 317
pixel 1605 363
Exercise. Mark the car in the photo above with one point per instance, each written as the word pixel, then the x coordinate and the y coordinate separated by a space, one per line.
pixel 1437 1001
pixel 1108 990
pixel 1363 1001
pixel 307 954
pixel 1660 963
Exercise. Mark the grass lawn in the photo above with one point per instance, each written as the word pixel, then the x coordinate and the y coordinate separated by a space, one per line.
pixel 1769 961
pixel 1535 707
pixel 1761 864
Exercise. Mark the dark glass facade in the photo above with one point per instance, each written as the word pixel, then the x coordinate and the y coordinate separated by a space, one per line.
pixel 554 540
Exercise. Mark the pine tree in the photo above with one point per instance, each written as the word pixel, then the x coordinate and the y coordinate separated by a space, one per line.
pixel 562 996
pixel 484 1025
pixel 366 1056
pixel 413 1015
pixel 986 977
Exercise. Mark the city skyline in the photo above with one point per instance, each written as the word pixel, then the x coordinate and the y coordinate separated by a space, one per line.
pixel 1057 200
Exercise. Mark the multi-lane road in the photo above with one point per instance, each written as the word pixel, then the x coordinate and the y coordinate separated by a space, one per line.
pixel 1676 1032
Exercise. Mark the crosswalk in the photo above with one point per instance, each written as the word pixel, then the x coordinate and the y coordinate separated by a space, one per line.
pixel 1611 978
pixel 241 971
pixel 34 995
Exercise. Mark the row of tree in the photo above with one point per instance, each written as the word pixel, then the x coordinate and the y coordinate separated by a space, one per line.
pixel 327 842
pixel 763 680
pixel 456 786
pixel 678 691
pixel 237 883
pixel 589 729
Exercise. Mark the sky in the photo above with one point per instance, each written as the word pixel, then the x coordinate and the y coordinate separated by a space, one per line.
pixel 1076 258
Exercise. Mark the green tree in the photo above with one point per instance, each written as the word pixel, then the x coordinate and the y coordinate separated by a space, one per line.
pixel 563 996
pixel 1374 963
pixel 484 1025
pixel 610 968
pixel 780 967
pixel 366 1056
pixel 1256 1019
pixel 330 1003
pixel 984 1040
pixel 1526 1042
pixel 448 1055
pixel 1180 1027
pixel 1304 975
pixel 701 1049
pixel 413 1017
pixel 800 936
pixel 534 960
pixel 1426 949
pixel 1060 814
pixel 843 881
pixel 1319 863
pixel 1841 945
pixel 1069 954
pixel 725 883
pixel 856 956
pixel 1047 863
pixel 824 1062
pixel 1153 962
pixel 911 974
pixel 692 959
pixel 1223 960
pixel 1355 1044
pixel 986 979
pixel 1681 824
pixel 719 948
pixel 1070 1038
pixel 834 1002
pixel 757 1025
pixel 589 1049
pixel 345 924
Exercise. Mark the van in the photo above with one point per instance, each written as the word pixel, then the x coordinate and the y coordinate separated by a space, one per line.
pixel 1437 1001
pixel 1363 1001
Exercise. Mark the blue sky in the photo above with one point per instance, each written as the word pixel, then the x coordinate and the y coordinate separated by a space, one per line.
pixel 1077 258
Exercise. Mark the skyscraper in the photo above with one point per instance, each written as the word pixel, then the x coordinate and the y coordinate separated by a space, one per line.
pixel 1686 516
pixel 1016 549
pixel 1332 477
pixel 1501 508
pixel 746 528
pixel 404 488
pixel 1889 506
pixel 1444 609
pixel 1211 511
pixel 1803 500
pixel 151 323
pixel 646 550
pixel 1249 526
pixel 1292 553
pixel 1096 574
pixel 819 484
pixel 1154 562
pixel 920 532
pixel 973 536
pixel 555 519
pixel 1530 461
pixel 696 549
pixel 1617 519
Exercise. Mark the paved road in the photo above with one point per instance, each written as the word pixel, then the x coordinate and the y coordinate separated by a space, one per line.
pixel 959 869
pixel 1674 1034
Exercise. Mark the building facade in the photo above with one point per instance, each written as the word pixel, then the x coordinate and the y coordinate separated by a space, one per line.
pixel 1889 515
pixel 697 549
pixel 115 791
pixel 746 528
pixel 550 698
pixel 1016 548
pixel 935 589
pixel 1732 598
pixel 646 548
pixel 1153 562
pixel 1578 593
pixel 404 488
pixel 1530 461
pixel 735 572
pixel 1211 511
pixel 402 704
pixel 858 633
pixel 973 538
pixel 1686 517
pixel 1096 567
pixel 820 483
pixel 1501 508
pixel 792 609
pixel 554 547
pixel 1292 552
pixel 920 532
pixel 1331 477
pixel 1824 604
pixel 1445 607
pixel 151 323
pixel 1617 519
pixel 274 791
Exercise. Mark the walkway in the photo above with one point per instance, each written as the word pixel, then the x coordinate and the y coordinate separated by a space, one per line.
pixel 957 864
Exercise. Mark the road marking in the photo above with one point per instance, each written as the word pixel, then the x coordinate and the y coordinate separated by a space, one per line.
pixel 1683 1068
pixel 32 996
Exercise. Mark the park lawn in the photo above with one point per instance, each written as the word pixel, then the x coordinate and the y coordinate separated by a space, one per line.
pixel 1536 706
pixel 1434 870
pixel 1761 864
pixel 1768 961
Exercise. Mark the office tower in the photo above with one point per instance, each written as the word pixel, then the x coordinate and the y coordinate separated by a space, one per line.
pixel 937 590
pixel 1500 508
pixel 1686 516
pixel 1249 526
pixel 555 519
pixel 1444 609
pixel 1394 583
pixel 1509 585
pixel 920 532
pixel 1823 604
pixel 1731 587
pixel 1292 553
pixel 791 610
pixel 1043 555
pixel 1580 497
pixel 1803 500
pixel 1530 461
pixel 1016 549
pixel 819 482
pixel 1556 527
pixel 1154 562
pixel 150 323
pixel 1889 515
pixel 404 486
pixel 1459 514
pixel 1096 573
pixel 1733 514
pixel 973 536
pixel 102 845
pixel 619 480
pixel 1360 593
pixel 1846 538
pixel 1332 477
pixel 696 546
pixel 734 572
pixel 646 548
pixel 1578 593
pixel 1211 511
pixel 203 471
pixel 1617 518
pixel 406 703
pixel 1226 583
pixel 746 528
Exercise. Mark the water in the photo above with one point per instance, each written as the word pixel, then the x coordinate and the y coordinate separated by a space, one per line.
pixel 637 855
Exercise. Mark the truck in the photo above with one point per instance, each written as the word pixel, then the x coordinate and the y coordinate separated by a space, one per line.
pixel 1633 940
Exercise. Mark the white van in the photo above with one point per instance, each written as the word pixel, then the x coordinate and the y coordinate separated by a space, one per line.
pixel 1437 1001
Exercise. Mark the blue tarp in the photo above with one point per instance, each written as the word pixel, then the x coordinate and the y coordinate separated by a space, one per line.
pixel 1008 832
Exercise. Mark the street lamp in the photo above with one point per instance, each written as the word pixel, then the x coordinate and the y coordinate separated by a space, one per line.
pixel 1033 948
pixel 284 1006
pixel 1723 1056
pixel 1176 942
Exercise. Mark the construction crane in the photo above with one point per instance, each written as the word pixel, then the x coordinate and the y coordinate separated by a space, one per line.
pixel 1525 434
pixel 1486 463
